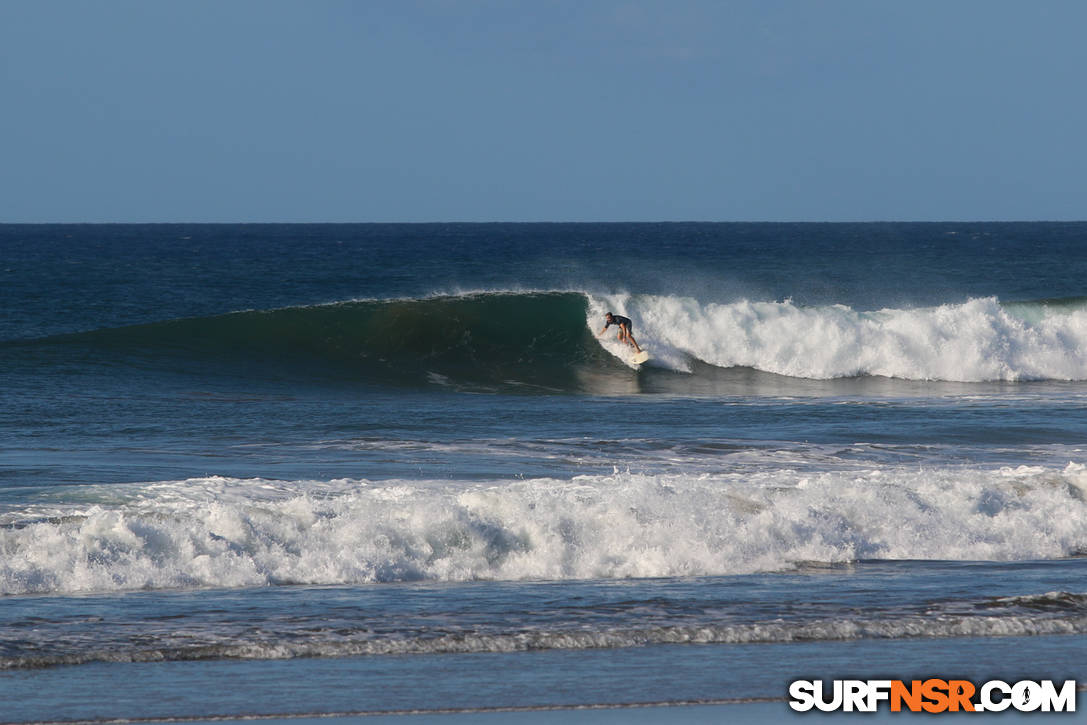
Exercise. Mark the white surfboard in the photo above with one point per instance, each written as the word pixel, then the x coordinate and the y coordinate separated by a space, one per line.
pixel 640 357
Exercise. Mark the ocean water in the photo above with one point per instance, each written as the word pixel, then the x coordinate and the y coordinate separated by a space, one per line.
pixel 311 470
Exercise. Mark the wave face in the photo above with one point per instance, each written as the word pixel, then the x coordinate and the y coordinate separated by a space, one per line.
pixel 549 339
pixel 482 338
pixel 223 532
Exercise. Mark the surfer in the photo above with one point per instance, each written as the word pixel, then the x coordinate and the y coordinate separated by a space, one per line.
pixel 624 329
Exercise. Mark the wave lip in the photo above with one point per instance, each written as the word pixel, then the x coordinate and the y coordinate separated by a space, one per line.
pixel 258 533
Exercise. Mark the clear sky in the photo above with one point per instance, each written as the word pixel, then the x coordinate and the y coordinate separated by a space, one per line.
pixel 541 110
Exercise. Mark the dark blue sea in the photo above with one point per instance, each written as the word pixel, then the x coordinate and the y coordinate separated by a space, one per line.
pixel 310 470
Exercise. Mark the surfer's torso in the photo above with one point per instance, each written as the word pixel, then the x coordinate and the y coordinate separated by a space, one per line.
pixel 618 320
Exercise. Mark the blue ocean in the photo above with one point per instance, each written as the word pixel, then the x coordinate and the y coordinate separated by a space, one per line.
pixel 301 471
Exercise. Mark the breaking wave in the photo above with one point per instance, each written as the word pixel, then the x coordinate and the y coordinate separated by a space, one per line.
pixel 974 341
pixel 548 339
pixel 224 532
pixel 319 642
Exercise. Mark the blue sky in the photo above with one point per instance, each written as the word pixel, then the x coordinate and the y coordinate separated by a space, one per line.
pixel 605 110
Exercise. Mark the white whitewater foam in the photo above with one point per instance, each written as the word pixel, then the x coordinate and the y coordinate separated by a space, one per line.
pixel 222 532
pixel 978 340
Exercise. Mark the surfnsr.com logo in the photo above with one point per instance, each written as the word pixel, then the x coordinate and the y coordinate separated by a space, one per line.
pixel 932 695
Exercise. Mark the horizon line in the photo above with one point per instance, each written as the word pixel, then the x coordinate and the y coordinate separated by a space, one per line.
pixel 542 222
